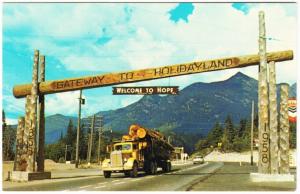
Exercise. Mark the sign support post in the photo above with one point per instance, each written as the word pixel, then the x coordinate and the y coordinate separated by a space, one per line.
pixel 263 126
pixel 284 130
pixel 274 161
pixel 41 120
pixel 33 117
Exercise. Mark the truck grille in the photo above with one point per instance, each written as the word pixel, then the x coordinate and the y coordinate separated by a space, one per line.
pixel 116 159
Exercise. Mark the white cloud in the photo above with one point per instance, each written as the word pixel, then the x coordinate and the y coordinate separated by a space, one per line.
pixel 213 31
pixel 10 121
pixel 64 103
pixel 13 105
pixel 148 39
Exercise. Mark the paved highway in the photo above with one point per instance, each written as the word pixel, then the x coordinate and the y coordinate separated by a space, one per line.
pixel 181 178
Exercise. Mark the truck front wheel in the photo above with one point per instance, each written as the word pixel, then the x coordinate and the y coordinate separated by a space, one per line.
pixel 134 171
pixel 127 173
pixel 107 174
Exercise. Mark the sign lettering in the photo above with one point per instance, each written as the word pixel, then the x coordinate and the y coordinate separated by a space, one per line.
pixel 173 90
pixel 265 147
pixel 71 84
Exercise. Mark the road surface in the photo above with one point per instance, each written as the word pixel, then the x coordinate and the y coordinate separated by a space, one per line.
pixel 181 178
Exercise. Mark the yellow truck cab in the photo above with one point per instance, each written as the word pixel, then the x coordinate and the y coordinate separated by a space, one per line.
pixel 142 149
pixel 124 157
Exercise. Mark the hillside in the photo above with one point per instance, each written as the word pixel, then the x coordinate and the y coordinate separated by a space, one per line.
pixel 55 125
pixel 192 113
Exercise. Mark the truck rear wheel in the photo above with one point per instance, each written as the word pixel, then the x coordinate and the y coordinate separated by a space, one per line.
pixel 169 166
pixel 134 171
pixel 165 167
pixel 153 167
pixel 107 174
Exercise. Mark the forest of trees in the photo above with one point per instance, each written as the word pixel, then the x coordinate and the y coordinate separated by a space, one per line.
pixel 228 137
pixel 57 151
pixel 8 140
pixel 232 138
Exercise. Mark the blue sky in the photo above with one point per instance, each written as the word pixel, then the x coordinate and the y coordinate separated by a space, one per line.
pixel 89 39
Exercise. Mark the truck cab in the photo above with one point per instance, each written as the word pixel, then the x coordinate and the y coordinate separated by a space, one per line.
pixel 124 157
pixel 141 149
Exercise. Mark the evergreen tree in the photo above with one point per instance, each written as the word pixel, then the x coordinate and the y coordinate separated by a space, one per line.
pixel 230 128
pixel 247 134
pixel 242 128
pixel 8 143
pixel 8 139
pixel 225 141
pixel 238 144
pixel 83 143
pixel 214 136
pixel 69 138
pixel 3 121
pixel 55 151
pixel 61 136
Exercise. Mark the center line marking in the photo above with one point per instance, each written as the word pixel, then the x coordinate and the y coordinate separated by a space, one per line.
pixel 115 181
pixel 119 183
pixel 101 183
pixel 135 179
pixel 100 187
pixel 149 176
pixel 84 186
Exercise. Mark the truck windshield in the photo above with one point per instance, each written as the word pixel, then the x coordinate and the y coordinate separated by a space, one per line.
pixel 123 147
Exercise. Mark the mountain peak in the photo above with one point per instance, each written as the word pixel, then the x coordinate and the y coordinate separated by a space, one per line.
pixel 240 78
pixel 239 75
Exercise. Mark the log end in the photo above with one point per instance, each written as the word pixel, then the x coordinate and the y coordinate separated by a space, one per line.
pixel 20 91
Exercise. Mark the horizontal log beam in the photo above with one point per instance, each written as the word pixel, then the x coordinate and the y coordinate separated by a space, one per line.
pixel 56 86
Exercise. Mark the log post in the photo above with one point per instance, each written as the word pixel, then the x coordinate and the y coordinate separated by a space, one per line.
pixel 41 120
pixel 264 148
pixel 33 117
pixel 19 143
pixel 24 157
pixel 80 83
pixel 274 160
pixel 284 130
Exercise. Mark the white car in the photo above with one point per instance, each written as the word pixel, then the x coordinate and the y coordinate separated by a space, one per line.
pixel 198 160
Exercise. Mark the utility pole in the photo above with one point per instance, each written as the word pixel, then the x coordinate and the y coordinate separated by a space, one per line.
pixel 88 149
pixel 99 140
pixel 111 138
pixel 81 101
pixel 91 140
pixel 66 153
pixel 252 123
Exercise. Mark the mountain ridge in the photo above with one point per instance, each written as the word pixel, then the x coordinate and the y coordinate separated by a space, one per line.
pixel 194 111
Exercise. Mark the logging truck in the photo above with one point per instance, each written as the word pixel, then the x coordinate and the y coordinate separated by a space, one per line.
pixel 141 150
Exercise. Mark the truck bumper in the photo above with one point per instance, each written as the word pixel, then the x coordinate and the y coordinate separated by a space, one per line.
pixel 116 169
